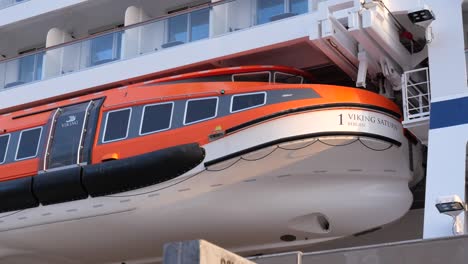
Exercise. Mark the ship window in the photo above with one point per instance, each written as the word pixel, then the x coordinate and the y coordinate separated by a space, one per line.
pixel 105 48
pixel 298 6
pixel 247 101
pixel 178 28
pixel 30 67
pixel 271 10
pixel 199 24
pixel 189 27
pixel 281 77
pixel 28 143
pixel 117 125
pixel 156 117
pixel 197 110
pixel 267 9
pixel 4 139
pixel 252 77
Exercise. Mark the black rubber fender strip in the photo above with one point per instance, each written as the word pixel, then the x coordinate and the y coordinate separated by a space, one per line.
pixel 58 186
pixel 17 194
pixel 140 171
pixel 299 137
pixel 310 108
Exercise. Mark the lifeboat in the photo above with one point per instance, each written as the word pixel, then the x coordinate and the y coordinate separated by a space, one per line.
pixel 251 158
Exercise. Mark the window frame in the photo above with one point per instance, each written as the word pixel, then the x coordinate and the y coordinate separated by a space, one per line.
pixel 116 48
pixel 250 73
pixel 190 24
pixel 143 118
pixel 107 119
pixel 7 145
pixel 251 107
pixel 293 75
pixel 200 99
pixel 189 37
pixel 19 143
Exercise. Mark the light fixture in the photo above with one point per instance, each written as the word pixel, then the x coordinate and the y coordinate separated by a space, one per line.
pixel 421 17
pixel 449 207
pixel 452 206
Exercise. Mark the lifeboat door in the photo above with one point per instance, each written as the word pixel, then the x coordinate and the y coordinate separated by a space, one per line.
pixel 70 138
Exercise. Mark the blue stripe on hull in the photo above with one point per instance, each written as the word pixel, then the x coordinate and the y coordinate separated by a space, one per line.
pixel 449 113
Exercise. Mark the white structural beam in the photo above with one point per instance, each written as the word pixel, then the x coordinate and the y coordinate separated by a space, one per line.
pixel 446 51
pixel 132 43
pixel 332 38
pixel 380 26
pixel 378 48
pixel 54 58
pixel 447 144
pixel 135 14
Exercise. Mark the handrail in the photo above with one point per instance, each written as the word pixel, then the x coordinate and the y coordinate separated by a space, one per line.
pixel 120 29
pixel 416 103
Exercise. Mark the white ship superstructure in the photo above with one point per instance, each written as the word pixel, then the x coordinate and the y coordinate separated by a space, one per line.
pixel 412 52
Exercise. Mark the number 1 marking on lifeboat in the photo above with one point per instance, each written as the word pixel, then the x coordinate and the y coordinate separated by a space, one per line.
pixel 341 119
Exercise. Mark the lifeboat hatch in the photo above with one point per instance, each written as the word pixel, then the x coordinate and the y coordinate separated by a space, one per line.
pixel 67 149
pixel 68 126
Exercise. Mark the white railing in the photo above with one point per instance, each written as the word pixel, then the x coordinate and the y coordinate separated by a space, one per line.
pixel 416 92
pixel 204 22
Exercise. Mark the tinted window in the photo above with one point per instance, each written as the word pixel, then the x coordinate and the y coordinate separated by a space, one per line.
pixel 189 27
pixel 156 118
pixel 251 77
pixel 105 48
pixel 198 110
pixel 117 125
pixel 267 9
pixel 287 78
pixel 298 6
pixel 178 28
pixel 242 102
pixel 199 23
pixel 28 143
pixel 3 147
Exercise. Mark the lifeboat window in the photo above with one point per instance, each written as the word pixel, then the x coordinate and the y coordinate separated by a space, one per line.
pixel 281 77
pixel 117 125
pixel 4 140
pixel 156 117
pixel 252 77
pixel 247 101
pixel 197 110
pixel 28 143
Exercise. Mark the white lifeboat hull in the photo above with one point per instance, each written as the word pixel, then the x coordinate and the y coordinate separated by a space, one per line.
pixel 308 177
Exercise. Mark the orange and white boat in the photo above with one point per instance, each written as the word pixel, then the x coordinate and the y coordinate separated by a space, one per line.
pixel 250 158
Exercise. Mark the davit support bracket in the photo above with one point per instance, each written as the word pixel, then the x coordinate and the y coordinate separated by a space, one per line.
pixel 362 69
pixel 363 41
